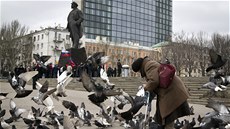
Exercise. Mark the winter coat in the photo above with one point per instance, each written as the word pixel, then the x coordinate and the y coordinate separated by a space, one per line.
pixel 168 99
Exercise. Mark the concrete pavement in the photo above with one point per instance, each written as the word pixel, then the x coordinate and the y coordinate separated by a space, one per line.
pixel 76 97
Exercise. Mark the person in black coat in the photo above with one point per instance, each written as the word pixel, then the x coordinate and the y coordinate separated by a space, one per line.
pixel 119 66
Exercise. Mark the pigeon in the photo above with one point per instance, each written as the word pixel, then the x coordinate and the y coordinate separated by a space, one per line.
pixel 63 80
pixel 216 60
pixel 178 124
pixel 100 93
pixel 212 86
pixel 105 78
pixel 43 93
pixel 225 80
pixel 18 83
pixel 218 107
pixel 15 111
pixel 124 99
pixel 41 59
pixel 2 113
pixel 3 124
pixel 98 124
pixel 222 111
pixel 97 59
pixel 128 115
pixel 3 96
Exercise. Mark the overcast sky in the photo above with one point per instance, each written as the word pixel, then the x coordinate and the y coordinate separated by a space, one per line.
pixel 188 15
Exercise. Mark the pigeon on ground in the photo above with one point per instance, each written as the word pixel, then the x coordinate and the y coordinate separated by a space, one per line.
pixel 178 124
pixel 98 124
pixel 216 60
pixel 77 111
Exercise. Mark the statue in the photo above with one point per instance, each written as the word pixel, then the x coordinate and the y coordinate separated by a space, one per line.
pixel 75 18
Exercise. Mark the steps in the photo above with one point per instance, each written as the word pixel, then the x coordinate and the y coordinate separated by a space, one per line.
pixel 131 84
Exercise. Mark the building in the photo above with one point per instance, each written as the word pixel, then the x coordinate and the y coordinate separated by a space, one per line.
pixel 126 52
pixel 51 41
pixel 146 22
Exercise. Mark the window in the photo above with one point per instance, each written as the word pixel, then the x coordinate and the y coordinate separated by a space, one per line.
pixel 59 37
pixel 67 37
pixel 38 37
pixel 42 36
pixel 41 53
pixel 34 38
pixel 41 45
pixel 37 46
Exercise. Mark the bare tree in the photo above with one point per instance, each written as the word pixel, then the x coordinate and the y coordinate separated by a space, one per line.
pixel 221 43
pixel 10 48
pixel 202 51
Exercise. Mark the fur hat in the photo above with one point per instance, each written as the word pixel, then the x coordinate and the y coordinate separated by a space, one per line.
pixel 136 66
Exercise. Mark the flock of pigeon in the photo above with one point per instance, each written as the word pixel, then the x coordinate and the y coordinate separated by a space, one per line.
pixel 100 90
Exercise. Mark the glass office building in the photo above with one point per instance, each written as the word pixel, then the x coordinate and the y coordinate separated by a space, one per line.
pixel 146 22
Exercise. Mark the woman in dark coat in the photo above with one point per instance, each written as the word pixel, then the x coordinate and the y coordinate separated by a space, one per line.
pixel 171 102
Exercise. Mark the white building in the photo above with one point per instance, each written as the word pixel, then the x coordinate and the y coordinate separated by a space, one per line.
pixel 51 41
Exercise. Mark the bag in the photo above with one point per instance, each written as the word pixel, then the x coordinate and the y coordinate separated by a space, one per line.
pixel 166 74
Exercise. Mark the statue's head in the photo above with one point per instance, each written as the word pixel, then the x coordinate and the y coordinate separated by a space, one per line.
pixel 74 4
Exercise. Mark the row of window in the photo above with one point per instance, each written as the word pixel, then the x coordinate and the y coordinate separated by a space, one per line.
pixel 38 37
pixel 106 2
pixel 98 6
pixel 38 46
pixel 143 3
pixel 123 9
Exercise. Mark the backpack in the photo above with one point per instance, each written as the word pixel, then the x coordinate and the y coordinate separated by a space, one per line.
pixel 166 74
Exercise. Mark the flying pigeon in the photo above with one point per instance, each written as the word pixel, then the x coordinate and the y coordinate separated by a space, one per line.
pixel 18 83
pixel 97 59
pixel 225 80
pixel 105 78
pixel 43 93
pixel 41 59
pixel 218 107
pixel 124 99
pixel 15 111
pixel 100 93
pixel 62 81
pixel 216 60
pixel 212 86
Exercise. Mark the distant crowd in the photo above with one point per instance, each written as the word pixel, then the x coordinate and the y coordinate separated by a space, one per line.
pixel 51 71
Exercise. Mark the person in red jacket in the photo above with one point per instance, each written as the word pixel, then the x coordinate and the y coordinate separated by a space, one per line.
pixel 172 101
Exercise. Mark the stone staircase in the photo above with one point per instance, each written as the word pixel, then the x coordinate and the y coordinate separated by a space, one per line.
pixel 130 85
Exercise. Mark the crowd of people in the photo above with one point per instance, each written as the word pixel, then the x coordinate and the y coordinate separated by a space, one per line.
pixel 50 70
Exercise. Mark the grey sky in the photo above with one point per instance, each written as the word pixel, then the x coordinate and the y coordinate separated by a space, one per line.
pixel 188 15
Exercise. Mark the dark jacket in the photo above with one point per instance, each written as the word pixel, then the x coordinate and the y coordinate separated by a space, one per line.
pixel 168 99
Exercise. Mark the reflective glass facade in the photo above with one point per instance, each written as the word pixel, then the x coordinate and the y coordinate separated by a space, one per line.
pixel 144 21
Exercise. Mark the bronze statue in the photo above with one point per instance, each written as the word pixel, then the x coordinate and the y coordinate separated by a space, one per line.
pixel 75 19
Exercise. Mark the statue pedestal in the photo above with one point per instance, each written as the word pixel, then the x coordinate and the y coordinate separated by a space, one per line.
pixel 77 55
